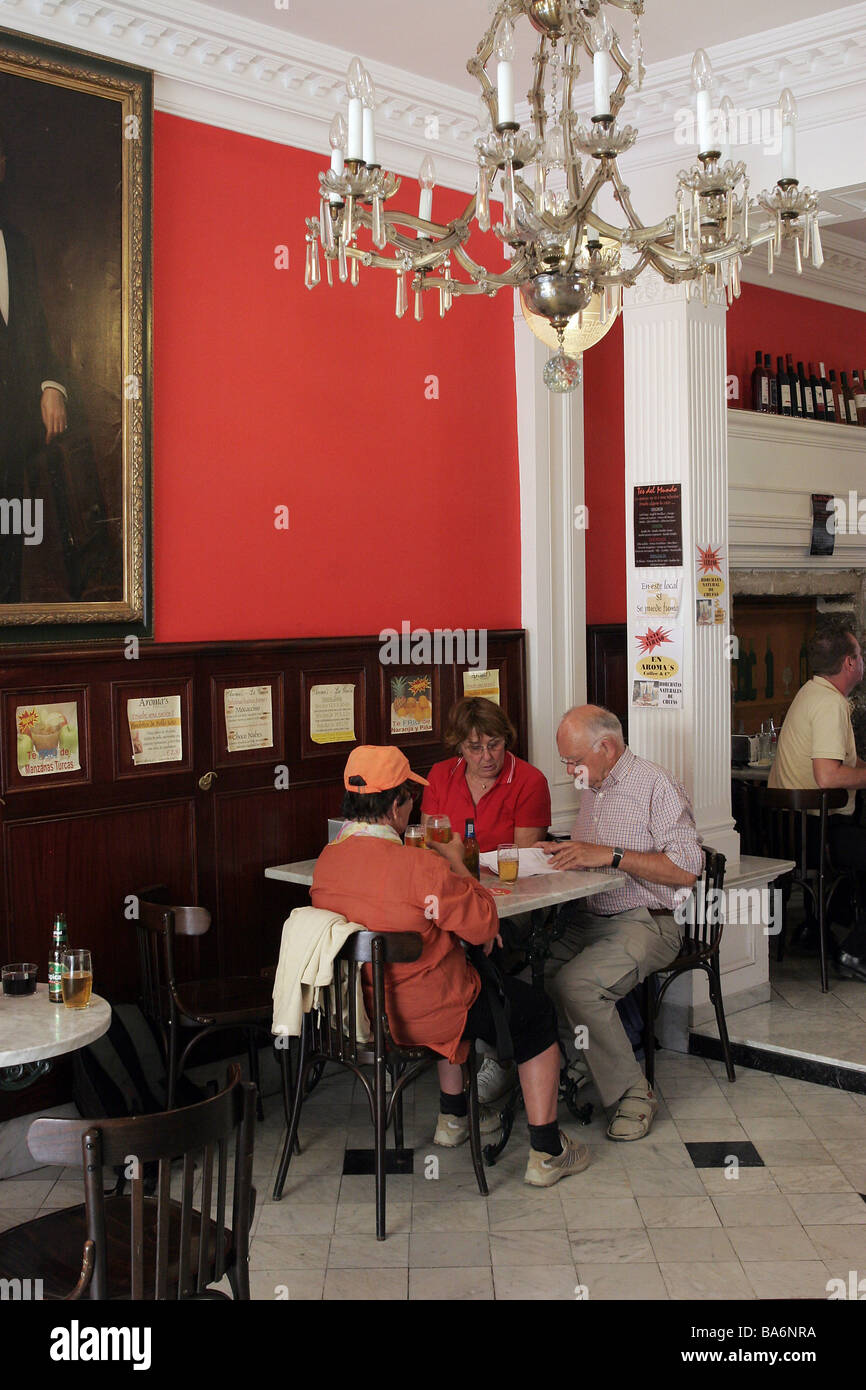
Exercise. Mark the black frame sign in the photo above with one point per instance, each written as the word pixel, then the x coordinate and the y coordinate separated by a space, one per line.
pixel 658 524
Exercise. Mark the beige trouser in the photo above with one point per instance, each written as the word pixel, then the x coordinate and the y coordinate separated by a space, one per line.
pixel 597 961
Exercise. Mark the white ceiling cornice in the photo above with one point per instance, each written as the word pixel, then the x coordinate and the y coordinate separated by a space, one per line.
pixel 841 279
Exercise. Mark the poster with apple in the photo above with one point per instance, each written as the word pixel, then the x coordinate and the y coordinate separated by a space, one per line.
pixel 47 739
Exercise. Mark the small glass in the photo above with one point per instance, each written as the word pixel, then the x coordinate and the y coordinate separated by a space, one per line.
pixel 438 830
pixel 508 863
pixel 77 979
pixel 414 837
pixel 20 978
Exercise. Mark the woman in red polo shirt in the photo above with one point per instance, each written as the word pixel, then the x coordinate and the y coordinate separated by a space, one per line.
pixel 508 799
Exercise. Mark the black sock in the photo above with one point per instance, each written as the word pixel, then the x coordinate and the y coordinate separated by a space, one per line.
pixel 453 1105
pixel 545 1138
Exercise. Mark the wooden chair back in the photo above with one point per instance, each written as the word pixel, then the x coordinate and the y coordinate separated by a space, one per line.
pixel 334 1027
pixel 702 914
pixel 156 927
pixel 172 1250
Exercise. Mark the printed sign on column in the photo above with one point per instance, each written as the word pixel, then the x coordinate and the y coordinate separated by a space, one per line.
pixel 711 585
pixel 657 666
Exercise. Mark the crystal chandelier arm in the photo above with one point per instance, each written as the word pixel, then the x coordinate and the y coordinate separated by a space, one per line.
pixel 509 9
pixel 536 95
pixel 514 276
pixel 570 69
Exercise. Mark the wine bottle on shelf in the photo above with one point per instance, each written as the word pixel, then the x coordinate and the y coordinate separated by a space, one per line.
pixel 849 399
pixel 804 663
pixel 760 386
pixel 797 407
pixel 838 400
pixel 784 388
pixel 817 393
pixel 829 402
pixel 768 666
pixel 772 384
pixel 859 389
pixel 805 393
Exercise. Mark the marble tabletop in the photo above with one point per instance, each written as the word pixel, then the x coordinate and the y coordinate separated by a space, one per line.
pixel 542 890
pixel 32 1028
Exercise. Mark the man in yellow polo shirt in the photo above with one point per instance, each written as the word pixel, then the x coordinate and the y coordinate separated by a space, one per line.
pixel 817 749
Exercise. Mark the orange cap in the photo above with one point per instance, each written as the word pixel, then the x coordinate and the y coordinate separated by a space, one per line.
pixel 379 770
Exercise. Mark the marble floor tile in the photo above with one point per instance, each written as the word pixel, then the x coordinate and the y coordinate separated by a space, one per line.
pixel 447 1285
pixel 711 1131
pixel 777 1105
pixel 829 1208
pixel 677 1211
pixel 701 1108
pixel 678 1182
pixel 435 1249
pixel 622 1282
pixel 762 1209
pixel 785 1128
pixel 536 1212
pixel 707 1280
pixel 530 1248
pixel 805 1177
pixel 614 1213
pixel 780 1279
pixel 780 1152
pixel 300 1188
pixel 834 1127
pixel 690 1244
pixel 855 1174
pixel 650 1153
pixel 364 1285
pixel 296 1218
pixel 291 1286
pixel 840 1246
pixel 543 1283
pixel 366 1252
pixel 359 1218
pixel 450 1216
pixel 27 1192
pixel 747 1180
pixel 771 1243
pixel 604 1247
pixel 289 1252
pixel 16 1216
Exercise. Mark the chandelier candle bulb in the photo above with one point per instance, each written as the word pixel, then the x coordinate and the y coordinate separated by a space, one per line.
pixel 354 87
pixel 368 137
pixel 788 113
pixel 427 180
pixel 726 109
pixel 702 77
pixel 601 39
pixel 505 74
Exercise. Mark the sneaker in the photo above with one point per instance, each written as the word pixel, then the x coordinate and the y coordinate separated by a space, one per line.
pixel 453 1130
pixel 543 1170
pixel 495 1081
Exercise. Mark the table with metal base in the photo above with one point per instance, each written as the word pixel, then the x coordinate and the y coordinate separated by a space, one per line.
pixel 33 1031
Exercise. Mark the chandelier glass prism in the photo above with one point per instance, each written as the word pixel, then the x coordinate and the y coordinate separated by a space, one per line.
pixel 568 263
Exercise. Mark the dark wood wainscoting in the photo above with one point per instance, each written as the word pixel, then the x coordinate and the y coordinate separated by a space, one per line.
pixel 607 669
pixel 87 840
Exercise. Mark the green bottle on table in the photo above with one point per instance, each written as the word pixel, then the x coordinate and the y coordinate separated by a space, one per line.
pixel 55 960
pixel 470 850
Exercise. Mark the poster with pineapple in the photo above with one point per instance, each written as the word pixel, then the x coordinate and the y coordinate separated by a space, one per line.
pixel 411 704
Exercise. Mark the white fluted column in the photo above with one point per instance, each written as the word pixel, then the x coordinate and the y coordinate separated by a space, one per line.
pixel 676 432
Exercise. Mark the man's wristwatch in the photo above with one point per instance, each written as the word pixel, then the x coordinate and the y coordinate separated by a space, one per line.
pixel 617 858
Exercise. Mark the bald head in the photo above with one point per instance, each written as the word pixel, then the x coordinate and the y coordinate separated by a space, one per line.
pixel 593 722
pixel 590 737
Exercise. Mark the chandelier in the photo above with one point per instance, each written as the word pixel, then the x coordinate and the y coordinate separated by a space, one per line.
pixel 569 264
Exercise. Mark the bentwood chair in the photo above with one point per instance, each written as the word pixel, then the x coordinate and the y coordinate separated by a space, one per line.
pixel 195 1009
pixel 795 825
pixel 704 919
pixel 139 1247
pixel 329 1034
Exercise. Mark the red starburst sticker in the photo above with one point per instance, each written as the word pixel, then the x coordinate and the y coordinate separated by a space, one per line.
pixel 652 638
pixel 710 558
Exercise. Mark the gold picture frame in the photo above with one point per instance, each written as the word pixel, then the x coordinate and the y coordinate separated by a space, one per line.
pixel 76 221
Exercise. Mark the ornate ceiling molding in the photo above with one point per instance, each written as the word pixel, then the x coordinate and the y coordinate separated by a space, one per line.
pixel 841 279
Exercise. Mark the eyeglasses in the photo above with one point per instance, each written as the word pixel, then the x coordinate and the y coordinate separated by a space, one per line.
pixel 476 749
pixel 579 757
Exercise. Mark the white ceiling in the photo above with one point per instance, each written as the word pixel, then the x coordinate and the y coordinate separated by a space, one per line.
pixel 441 38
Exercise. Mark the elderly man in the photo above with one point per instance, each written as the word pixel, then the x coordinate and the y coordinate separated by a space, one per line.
pixel 636 818
pixel 816 749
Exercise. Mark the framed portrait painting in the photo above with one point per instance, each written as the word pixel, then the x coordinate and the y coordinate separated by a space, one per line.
pixel 75 345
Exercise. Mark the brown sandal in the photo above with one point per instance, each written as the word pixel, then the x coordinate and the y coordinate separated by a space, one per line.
pixel 633 1118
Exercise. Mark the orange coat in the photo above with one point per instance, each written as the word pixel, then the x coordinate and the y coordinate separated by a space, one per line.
pixel 387 887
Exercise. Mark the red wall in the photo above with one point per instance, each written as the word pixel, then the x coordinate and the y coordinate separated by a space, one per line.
pixel 267 394
pixel 762 318
pixel 789 323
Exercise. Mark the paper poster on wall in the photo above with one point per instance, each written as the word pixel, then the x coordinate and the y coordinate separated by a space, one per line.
pixel 47 739
pixel 657 666
pixel 155 729
pixel 411 704
pixel 483 683
pixel 711 585
pixel 658 524
pixel 659 594
pixel 332 713
pixel 249 718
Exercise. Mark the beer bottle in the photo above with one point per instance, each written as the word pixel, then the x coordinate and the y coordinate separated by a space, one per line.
pixel 470 850
pixel 55 960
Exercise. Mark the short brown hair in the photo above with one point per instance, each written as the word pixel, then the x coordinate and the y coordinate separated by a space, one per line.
pixel 831 642
pixel 484 716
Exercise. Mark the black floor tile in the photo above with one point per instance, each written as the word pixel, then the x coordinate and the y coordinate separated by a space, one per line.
pixel 717 1154
pixel 362 1162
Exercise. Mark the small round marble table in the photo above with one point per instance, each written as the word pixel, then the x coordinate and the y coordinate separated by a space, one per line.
pixel 33 1031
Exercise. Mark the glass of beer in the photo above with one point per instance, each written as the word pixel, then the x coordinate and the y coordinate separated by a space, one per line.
pixel 438 830
pixel 77 979
pixel 508 862
pixel 414 837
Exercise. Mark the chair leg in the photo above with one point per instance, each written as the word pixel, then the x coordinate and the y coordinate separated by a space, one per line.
pixel 288 1085
pixel 649 1028
pixel 398 1110
pixel 715 983
pixel 822 932
pixel 474 1120
pixel 292 1131
pixel 255 1075
pixel 380 1103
